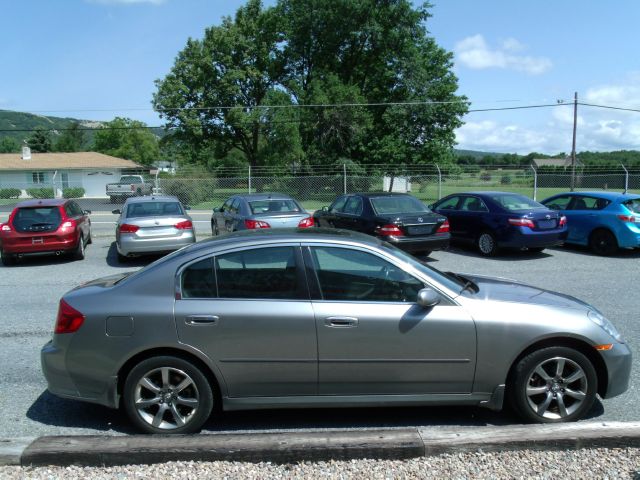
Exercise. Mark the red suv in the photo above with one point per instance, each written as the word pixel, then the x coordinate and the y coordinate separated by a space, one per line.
pixel 37 227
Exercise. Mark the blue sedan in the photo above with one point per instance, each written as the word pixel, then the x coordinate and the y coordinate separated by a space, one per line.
pixel 604 221
pixel 494 220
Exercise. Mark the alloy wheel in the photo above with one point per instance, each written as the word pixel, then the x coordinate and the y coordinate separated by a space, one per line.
pixel 486 244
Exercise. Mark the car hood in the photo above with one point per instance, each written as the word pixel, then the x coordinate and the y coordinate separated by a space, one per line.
pixel 505 290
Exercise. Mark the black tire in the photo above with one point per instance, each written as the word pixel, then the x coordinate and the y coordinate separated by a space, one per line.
pixel 198 392
pixel 89 238
pixel 214 228
pixel 536 249
pixel 540 400
pixel 7 259
pixel 487 244
pixel 79 253
pixel 603 242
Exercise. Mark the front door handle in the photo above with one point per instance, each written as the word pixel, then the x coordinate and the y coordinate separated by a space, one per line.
pixel 341 322
pixel 201 319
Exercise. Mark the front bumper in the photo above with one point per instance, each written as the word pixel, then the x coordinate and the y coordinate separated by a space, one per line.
pixel 618 362
pixel 420 244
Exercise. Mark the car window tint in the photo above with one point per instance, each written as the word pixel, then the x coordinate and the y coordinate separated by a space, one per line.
pixel 516 202
pixel 473 204
pixel 338 205
pixel 198 280
pixel 353 275
pixel 38 219
pixel 449 204
pixel 589 203
pixel 353 206
pixel 227 205
pixel 633 205
pixel 259 207
pixel 235 206
pixel 258 273
pixel 558 203
pixel 154 209
pixel 398 204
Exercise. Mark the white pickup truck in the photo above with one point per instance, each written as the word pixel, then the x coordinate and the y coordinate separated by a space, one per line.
pixel 128 186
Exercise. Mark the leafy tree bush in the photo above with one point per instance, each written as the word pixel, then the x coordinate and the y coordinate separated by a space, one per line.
pixel 10 192
pixel 505 180
pixel 73 192
pixel 45 192
pixel 485 176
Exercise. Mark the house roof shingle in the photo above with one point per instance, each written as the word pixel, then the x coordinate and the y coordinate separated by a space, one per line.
pixel 63 161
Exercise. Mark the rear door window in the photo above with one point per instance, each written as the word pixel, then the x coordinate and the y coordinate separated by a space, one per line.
pixel 473 204
pixel 589 203
pixel 40 219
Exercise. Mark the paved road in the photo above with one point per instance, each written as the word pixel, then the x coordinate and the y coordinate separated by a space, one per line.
pixel 30 294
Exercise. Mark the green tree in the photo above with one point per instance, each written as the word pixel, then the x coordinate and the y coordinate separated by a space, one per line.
pixel 72 139
pixel 126 138
pixel 9 145
pixel 40 141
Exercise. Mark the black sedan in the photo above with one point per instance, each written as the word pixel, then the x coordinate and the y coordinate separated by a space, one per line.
pixel 398 218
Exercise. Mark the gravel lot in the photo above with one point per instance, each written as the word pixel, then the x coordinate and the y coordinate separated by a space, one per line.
pixel 526 464
pixel 30 294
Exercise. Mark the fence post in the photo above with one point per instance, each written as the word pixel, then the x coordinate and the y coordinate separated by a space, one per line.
pixel 344 176
pixel 626 178
pixel 249 178
pixel 53 184
pixel 535 181
pixel 439 182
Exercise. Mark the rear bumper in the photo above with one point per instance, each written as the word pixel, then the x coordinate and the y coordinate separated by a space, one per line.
pixel 129 245
pixel 25 246
pixel 523 237
pixel 618 362
pixel 420 244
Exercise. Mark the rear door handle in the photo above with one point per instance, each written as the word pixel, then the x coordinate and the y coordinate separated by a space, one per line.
pixel 201 319
pixel 341 322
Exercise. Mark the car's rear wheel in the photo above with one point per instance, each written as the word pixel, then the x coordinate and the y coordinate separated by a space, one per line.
pixel 487 244
pixel 78 253
pixel 603 242
pixel 7 258
pixel 167 395
pixel 554 384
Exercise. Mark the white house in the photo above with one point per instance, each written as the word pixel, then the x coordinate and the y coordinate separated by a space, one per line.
pixel 89 170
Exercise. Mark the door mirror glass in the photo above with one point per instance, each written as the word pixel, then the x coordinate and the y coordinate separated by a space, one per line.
pixel 217 209
pixel 87 212
pixel 116 212
pixel 428 298
pixel 187 207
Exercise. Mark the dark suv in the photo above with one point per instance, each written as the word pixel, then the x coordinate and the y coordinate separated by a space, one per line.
pixel 47 226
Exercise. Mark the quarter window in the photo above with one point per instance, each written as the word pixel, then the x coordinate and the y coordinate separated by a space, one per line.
pixel 258 273
pixel 353 275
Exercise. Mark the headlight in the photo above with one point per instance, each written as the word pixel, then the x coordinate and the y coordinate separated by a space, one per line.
pixel 606 325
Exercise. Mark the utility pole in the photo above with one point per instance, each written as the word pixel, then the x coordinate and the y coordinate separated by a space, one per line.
pixel 573 148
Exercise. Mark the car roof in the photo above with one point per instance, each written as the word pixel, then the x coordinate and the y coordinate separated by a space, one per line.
pixel 605 195
pixel 43 202
pixel 152 198
pixel 264 196
pixel 383 194
pixel 488 192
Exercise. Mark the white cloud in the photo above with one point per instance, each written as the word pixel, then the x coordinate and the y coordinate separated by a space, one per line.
pixel 475 53
pixel 126 2
pixel 492 136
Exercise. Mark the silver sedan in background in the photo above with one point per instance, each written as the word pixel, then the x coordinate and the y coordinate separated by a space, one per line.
pixel 154 224
pixel 257 211
pixel 324 318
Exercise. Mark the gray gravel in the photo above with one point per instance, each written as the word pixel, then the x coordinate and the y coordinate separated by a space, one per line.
pixel 586 463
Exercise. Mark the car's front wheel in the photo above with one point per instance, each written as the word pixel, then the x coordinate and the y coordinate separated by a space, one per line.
pixel 552 385
pixel 7 259
pixel 79 254
pixel 167 395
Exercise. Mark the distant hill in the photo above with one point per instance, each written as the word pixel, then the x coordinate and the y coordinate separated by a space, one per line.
pixel 475 153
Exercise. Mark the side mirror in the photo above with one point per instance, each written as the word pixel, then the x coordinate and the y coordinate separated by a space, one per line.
pixel 430 206
pixel 217 210
pixel 187 207
pixel 87 212
pixel 428 298
pixel 116 212
pixel 325 209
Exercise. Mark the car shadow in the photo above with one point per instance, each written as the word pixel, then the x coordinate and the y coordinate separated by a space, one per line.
pixel 41 260
pixel 59 412
pixel 114 261
pixel 624 253
pixel 505 255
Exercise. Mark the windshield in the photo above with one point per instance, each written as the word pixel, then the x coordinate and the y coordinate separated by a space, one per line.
pixel 397 204
pixel 266 207
pixel 516 202
pixel 154 209
pixel 633 205
pixel 454 283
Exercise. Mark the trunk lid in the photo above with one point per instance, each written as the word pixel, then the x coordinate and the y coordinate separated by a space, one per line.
pixel 414 224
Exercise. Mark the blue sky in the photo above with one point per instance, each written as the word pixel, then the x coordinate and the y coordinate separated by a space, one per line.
pixel 96 59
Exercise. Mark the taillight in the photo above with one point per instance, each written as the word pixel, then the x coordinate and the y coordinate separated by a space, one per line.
pixel 444 228
pixel 522 222
pixel 563 221
pixel 185 225
pixel 306 222
pixel 254 224
pixel 69 319
pixel 629 218
pixel 68 224
pixel 390 230
pixel 5 227
pixel 127 228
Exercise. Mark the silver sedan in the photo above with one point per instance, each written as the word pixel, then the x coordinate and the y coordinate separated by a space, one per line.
pixel 324 318
pixel 154 224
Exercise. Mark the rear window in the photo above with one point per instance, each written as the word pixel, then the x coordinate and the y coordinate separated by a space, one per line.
pixel 259 207
pixel 633 205
pixel 386 205
pixel 154 209
pixel 516 202
pixel 39 219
